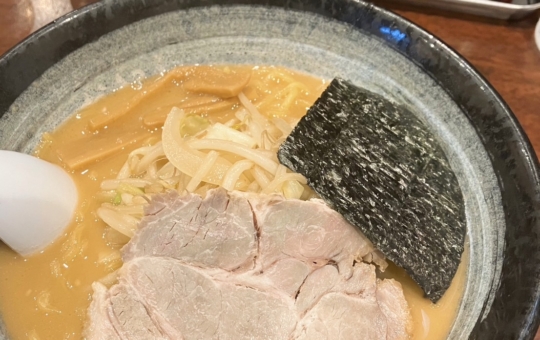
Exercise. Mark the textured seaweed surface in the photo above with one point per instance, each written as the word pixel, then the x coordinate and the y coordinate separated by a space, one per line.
pixel 380 167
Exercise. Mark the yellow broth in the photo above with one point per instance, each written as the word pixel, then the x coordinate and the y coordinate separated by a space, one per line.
pixel 46 296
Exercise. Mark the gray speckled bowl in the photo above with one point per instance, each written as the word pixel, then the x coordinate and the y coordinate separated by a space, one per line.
pixel 92 51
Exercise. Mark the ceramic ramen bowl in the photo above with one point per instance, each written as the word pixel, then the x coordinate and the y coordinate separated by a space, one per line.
pixel 101 47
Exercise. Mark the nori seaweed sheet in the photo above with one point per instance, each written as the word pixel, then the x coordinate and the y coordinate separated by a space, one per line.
pixel 379 166
pixel 319 128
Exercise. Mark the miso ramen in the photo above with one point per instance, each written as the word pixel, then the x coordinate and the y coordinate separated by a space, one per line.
pixel 118 154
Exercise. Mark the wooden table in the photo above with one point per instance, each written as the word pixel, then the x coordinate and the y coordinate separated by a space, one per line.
pixel 503 52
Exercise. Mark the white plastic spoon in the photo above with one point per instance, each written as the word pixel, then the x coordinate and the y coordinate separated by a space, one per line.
pixel 37 202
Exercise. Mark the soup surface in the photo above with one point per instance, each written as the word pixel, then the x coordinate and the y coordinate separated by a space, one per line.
pixel 46 296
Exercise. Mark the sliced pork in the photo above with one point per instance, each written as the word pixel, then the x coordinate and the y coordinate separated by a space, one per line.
pixel 240 266
pixel 217 232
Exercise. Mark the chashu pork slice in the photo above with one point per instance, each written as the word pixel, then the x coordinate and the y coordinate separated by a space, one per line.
pixel 217 231
pixel 308 231
pixel 161 298
pixel 243 266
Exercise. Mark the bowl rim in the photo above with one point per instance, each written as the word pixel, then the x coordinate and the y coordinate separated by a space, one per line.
pixel 510 151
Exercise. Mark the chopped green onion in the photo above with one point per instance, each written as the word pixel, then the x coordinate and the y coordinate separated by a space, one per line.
pixel 117 199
